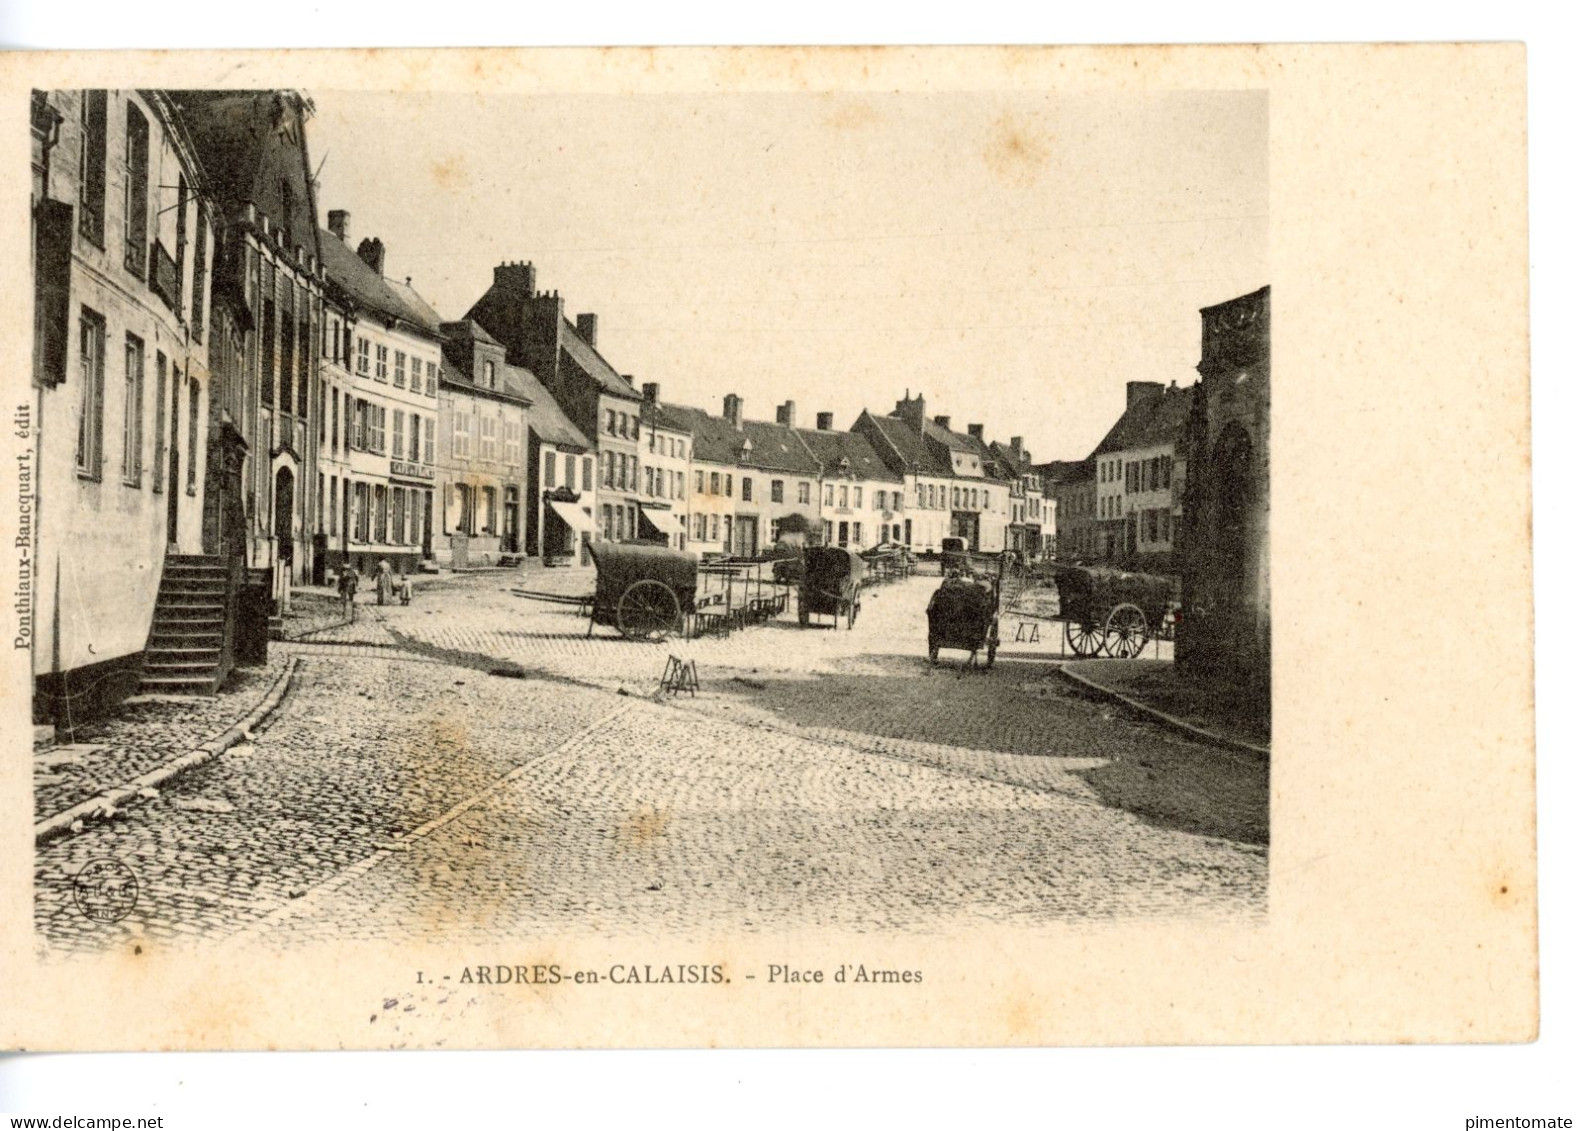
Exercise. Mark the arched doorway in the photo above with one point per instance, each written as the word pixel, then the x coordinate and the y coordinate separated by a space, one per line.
pixel 285 490
pixel 1231 488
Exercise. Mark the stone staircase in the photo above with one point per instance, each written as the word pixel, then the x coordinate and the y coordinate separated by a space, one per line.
pixel 185 646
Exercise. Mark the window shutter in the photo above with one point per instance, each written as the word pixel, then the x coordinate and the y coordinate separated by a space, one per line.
pixel 52 235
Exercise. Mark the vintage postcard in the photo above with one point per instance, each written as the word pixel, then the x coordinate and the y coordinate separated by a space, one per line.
pixel 721 547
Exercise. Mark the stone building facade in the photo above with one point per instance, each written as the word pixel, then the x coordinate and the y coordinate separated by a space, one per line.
pixel 954 484
pixel 1225 629
pixel 123 221
pixel 1140 469
pixel 269 267
pixel 667 474
pixel 862 501
pixel 378 413
pixel 562 495
pixel 600 403
pixel 481 465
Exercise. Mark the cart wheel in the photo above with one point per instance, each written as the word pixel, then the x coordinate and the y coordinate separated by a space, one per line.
pixel 1125 632
pixel 1084 639
pixel 851 615
pixel 648 610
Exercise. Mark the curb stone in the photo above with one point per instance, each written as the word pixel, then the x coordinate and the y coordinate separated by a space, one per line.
pixel 1167 719
pixel 61 822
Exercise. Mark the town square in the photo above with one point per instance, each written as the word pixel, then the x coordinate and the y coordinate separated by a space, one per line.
pixel 364 610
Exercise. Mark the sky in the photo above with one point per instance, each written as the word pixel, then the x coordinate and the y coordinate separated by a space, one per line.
pixel 1015 257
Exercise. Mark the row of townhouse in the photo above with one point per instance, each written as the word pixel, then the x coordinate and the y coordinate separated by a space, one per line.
pixel 231 400
pixel 954 485
pixel 619 464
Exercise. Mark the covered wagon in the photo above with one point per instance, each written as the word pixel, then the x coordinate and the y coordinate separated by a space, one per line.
pixel 644 592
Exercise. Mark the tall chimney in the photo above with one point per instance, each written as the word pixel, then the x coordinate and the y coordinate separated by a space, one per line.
pixel 943 422
pixel 733 410
pixel 1016 447
pixel 1142 390
pixel 786 414
pixel 826 421
pixel 911 410
pixel 975 431
pixel 517 280
pixel 372 252
pixel 341 224
pixel 588 329
pixel 651 392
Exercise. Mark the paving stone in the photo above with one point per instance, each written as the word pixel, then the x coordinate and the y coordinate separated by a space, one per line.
pixel 819 779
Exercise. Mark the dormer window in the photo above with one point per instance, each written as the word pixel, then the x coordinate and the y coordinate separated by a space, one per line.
pixel 488 374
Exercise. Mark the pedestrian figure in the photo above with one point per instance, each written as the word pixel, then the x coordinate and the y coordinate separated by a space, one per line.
pixel 348 588
pixel 405 589
pixel 384 582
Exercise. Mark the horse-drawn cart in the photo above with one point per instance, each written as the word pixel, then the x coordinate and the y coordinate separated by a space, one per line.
pixel 1110 612
pixel 964 614
pixel 644 592
pixel 832 580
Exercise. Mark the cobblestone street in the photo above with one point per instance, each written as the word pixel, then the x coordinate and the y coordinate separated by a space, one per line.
pixel 819 778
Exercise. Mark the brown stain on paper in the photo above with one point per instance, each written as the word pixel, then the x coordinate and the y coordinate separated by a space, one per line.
pixel 1018 149
pixel 643 827
pixel 449 174
pixel 848 115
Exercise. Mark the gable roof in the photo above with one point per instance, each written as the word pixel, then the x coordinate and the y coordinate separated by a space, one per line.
pixel 967 444
pixel 591 362
pixel 544 416
pixel 366 288
pixel 1156 419
pixel 775 447
pixel 955 441
pixel 476 332
pixel 252 144
pixel 416 303
pixel 830 448
pixel 916 456
pixel 1016 464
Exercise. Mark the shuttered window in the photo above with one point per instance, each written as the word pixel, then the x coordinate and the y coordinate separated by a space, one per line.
pixel 91 167
pixel 136 199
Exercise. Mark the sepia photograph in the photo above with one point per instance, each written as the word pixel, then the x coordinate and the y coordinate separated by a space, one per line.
pixel 718 547
pixel 740 546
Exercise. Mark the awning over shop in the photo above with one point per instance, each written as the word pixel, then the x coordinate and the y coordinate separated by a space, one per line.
pixel 572 515
pixel 664 521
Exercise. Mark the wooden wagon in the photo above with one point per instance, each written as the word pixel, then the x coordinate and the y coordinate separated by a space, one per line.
pixel 832 580
pixel 964 614
pixel 1111 612
pixel 644 592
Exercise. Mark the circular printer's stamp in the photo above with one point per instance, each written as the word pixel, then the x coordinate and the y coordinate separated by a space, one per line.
pixel 105 890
